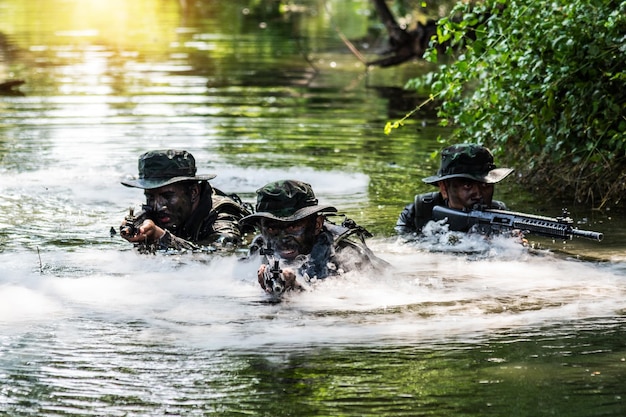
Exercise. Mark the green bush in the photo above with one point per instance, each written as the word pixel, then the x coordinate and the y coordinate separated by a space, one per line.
pixel 542 83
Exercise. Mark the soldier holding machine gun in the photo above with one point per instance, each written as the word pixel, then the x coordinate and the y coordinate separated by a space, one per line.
pixel 182 210
pixel 466 179
pixel 297 239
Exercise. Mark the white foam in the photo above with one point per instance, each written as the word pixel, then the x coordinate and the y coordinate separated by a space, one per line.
pixel 217 303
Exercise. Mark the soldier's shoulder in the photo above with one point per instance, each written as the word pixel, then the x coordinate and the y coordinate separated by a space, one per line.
pixel 230 202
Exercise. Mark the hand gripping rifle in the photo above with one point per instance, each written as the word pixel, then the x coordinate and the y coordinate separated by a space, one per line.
pixel 273 275
pixel 133 221
pixel 491 219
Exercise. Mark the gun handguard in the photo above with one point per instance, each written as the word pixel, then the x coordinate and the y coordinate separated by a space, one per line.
pixel 561 227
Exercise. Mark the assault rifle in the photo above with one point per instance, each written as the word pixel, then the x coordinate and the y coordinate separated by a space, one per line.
pixel 132 221
pixel 273 275
pixel 487 220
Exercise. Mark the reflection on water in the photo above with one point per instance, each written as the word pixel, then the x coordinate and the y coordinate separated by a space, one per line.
pixel 88 327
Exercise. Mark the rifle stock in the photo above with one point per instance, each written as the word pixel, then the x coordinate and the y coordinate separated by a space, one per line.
pixel 561 227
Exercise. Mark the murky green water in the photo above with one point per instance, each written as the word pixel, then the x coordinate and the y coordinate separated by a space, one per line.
pixel 259 91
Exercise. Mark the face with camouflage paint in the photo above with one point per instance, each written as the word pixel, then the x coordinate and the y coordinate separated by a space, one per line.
pixel 290 239
pixel 463 193
pixel 172 204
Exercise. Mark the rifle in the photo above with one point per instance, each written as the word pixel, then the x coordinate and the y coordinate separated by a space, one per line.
pixel 132 221
pixel 273 275
pixel 491 219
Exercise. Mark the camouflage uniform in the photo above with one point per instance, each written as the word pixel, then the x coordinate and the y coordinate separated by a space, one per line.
pixel 469 161
pixel 216 220
pixel 336 249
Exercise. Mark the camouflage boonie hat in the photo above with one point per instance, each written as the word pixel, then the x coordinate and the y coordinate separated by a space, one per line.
pixel 164 167
pixel 469 161
pixel 286 201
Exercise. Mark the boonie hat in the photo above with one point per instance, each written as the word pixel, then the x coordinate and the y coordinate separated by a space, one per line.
pixel 474 162
pixel 286 201
pixel 165 167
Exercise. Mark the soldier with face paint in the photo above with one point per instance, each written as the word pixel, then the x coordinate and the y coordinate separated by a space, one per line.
pixel 465 178
pixel 297 230
pixel 184 210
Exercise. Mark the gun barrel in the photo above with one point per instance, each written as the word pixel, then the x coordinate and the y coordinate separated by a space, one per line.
pixel 275 284
pixel 277 288
pixel 588 234
pixel 274 280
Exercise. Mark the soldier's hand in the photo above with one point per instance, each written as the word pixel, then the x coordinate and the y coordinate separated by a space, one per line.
pixel 261 276
pixel 519 236
pixel 228 241
pixel 288 275
pixel 148 232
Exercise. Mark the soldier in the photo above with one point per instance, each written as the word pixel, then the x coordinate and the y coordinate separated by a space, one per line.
pixel 183 211
pixel 297 230
pixel 466 177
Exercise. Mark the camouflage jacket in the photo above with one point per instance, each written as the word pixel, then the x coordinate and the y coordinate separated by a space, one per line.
pixel 215 221
pixel 338 249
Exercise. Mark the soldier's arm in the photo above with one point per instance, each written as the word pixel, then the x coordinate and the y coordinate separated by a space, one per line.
pixel 406 221
pixel 227 229
pixel 170 241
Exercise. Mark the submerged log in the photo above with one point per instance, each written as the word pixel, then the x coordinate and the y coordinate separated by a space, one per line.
pixel 10 87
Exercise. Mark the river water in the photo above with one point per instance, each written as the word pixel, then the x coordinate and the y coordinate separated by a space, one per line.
pixel 256 93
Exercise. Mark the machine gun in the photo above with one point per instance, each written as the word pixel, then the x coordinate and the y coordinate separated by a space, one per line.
pixel 487 220
pixel 132 221
pixel 273 275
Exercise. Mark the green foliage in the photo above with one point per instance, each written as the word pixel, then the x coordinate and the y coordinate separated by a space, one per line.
pixel 543 83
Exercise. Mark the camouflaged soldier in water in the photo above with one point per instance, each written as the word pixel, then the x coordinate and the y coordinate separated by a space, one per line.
pixel 466 177
pixel 297 230
pixel 183 210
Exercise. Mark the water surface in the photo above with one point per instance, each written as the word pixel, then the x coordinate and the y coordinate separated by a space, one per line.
pixel 256 93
